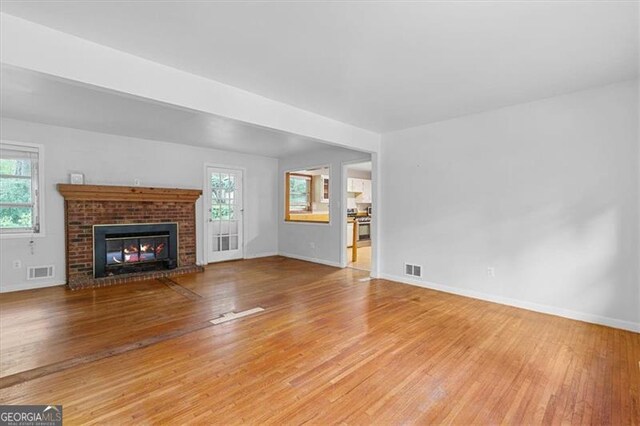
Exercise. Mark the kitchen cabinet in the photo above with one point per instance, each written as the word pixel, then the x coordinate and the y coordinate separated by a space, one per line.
pixel 355 185
pixel 325 189
pixel 365 195
pixel 350 185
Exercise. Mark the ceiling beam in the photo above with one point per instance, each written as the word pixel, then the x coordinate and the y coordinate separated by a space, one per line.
pixel 35 47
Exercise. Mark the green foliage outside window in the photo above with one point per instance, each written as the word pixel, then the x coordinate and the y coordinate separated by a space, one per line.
pixel 299 193
pixel 223 193
pixel 15 188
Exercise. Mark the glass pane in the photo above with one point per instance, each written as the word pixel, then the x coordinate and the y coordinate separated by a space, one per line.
pixel 16 217
pixel 130 250
pixel 215 180
pixel 15 167
pixel 298 184
pixel 217 196
pixel 223 185
pixel 220 211
pixel 233 227
pixel 233 243
pixel 230 183
pixel 298 199
pixel 15 190
pixel 162 248
pixel 114 252
pixel 147 249
pixel 224 243
pixel 216 244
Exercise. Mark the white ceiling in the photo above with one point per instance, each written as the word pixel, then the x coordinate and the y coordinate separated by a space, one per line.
pixel 31 96
pixel 378 65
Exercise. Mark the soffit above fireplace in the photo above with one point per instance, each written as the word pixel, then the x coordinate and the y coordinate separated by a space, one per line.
pixel 126 193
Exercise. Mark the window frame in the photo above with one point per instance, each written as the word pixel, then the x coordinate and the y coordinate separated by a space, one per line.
pixel 309 179
pixel 37 185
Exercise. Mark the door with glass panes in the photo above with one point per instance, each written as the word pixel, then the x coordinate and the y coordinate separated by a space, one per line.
pixel 224 223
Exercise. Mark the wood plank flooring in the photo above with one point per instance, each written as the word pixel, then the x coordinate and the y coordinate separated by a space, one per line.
pixel 364 259
pixel 327 349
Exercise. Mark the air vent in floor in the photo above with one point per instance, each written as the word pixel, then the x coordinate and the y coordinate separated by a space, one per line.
pixel 412 270
pixel 39 272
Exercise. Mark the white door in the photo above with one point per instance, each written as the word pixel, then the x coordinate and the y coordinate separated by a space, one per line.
pixel 224 225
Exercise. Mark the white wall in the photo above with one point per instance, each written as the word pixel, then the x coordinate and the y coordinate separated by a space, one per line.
pixel 116 160
pixel 319 242
pixel 358 174
pixel 545 192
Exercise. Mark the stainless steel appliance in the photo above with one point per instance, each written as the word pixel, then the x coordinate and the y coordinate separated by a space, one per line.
pixel 364 227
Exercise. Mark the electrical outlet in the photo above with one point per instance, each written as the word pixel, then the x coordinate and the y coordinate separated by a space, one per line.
pixel 136 182
pixel 491 272
pixel 17 264
pixel 312 245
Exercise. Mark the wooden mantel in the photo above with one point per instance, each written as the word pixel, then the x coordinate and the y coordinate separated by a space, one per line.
pixel 126 193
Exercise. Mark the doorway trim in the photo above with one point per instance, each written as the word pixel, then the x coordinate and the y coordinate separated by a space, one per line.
pixel 206 202
pixel 374 211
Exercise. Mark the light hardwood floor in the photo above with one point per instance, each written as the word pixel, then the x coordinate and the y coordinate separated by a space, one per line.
pixel 327 349
pixel 364 259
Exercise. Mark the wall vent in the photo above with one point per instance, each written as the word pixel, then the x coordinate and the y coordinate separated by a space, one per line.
pixel 39 272
pixel 412 270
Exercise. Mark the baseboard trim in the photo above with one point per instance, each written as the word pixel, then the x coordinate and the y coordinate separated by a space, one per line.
pixel 545 309
pixel 258 255
pixel 312 259
pixel 31 286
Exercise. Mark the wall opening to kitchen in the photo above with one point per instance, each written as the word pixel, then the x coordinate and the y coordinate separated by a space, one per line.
pixel 359 210
pixel 307 195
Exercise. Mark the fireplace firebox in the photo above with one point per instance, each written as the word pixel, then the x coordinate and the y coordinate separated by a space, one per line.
pixel 125 249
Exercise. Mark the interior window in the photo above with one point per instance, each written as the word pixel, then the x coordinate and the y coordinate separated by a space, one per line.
pixel 307 195
pixel 19 194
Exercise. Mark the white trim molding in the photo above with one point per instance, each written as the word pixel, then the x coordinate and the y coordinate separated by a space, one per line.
pixel 258 255
pixel 312 259
pixel 32 285
pixel 535 307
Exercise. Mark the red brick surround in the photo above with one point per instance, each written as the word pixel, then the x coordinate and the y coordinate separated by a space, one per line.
pixel 81 215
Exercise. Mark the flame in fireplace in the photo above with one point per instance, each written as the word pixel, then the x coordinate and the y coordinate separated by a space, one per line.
pixel 159 248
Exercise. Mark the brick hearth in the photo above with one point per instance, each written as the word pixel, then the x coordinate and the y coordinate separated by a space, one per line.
pixel 133 207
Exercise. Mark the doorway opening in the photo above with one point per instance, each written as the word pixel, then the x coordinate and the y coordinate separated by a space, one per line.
pixel 359 190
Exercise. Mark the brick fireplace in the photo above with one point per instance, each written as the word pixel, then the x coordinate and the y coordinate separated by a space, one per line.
pixel 92 211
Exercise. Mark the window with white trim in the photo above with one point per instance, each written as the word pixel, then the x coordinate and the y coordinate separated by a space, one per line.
pixel 19 192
